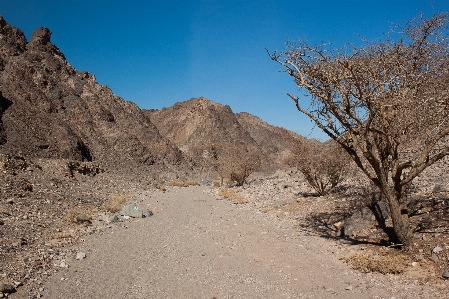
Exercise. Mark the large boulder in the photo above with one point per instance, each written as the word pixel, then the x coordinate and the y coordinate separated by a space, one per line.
pixel 367 221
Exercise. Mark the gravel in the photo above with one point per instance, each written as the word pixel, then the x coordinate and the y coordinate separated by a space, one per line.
pixel 195 246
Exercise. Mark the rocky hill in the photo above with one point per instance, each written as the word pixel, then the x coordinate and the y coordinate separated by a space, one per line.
pixel 276 142
pixel 50 110
pixel 200 122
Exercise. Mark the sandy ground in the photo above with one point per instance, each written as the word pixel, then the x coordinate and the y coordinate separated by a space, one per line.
pixel 195 246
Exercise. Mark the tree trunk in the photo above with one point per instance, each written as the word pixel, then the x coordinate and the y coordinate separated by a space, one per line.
pixel 401 223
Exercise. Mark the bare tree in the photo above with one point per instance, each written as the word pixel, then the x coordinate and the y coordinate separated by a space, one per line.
pixel 324 165
pixel 385 103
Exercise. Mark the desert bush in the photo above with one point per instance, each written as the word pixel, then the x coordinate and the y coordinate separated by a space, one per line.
pixel 116 202
pixel 184 183
pixel 233 162
pixel 231 195
pixel 79 215
pixel 324 165
pixel 237 162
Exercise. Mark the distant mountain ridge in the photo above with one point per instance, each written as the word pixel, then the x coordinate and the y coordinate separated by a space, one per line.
pixel 199 122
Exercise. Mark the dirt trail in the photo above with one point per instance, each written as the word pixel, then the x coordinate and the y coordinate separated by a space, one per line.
pixel 197 247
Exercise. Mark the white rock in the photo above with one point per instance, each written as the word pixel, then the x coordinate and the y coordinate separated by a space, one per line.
pixel 437 249
pixel 80 256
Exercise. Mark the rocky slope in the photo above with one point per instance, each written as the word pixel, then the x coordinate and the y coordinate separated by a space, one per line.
pixel 276 142
pixel 199 121
pixel 50 110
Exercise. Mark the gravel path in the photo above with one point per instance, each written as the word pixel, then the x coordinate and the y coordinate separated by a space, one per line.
pixel 198 247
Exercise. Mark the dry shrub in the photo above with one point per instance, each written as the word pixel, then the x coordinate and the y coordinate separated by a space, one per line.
pixel 61 235
pixel 216 183
pixel 78 215
pixel 116 202
pixel 184 183
pixel 157 185
pixel 324 165
pixel 385 264
pixel 232 195
pixel 233 162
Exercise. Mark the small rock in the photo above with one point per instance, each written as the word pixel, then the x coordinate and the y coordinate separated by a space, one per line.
pixel 414 264
pixel 114 219
pixel 437 249
pixel 349 288
pixel 338 224
pixel 2 222
pixel 7 288
pixel 82 218
pixel 80 255
pixel 445 274
pixel 10 201
pixel 62 265
pixel 434 258
pixel 147 213
pixel 417 236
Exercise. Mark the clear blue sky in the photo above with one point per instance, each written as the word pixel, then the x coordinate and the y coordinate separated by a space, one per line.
pixel 156 53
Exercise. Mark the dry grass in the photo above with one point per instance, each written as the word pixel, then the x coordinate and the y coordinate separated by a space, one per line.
pixel 385 264
pixel 232 195
pixel 184 183
pixel 78 215
pixel 116 202
pixel 61 235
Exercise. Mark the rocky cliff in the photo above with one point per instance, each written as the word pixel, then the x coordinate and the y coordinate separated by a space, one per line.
pixel 49 109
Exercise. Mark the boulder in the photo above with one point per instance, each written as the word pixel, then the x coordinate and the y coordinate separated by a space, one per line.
pixel 359 223
pixel 131 210
pixel 362 222
pixel 7 288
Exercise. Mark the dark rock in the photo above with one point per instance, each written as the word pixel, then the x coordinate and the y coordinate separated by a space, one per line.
pixel 434 258
pixel 41 36
pixel 445 274
pixel 81 218
pixel 7 288
pixel 359 223
pixel 147 213
pixel 363 221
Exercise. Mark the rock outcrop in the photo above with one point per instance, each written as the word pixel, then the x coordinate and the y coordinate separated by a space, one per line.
pixel 50 110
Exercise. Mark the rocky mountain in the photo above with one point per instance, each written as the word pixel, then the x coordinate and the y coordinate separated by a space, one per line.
pixel 50 110
pixel 199 122
pixel 276 142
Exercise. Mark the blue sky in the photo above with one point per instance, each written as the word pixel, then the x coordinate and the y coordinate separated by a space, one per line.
pixel 156 53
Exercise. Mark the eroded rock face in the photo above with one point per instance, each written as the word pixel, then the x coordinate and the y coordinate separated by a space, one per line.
pixel 50 110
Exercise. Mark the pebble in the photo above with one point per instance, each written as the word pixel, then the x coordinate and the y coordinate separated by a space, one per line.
pixel 80 256
pixel 445 274
pixel 434 258
pixel 114 219
pixel 437 249
pixel 349 288
pixel 62 265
